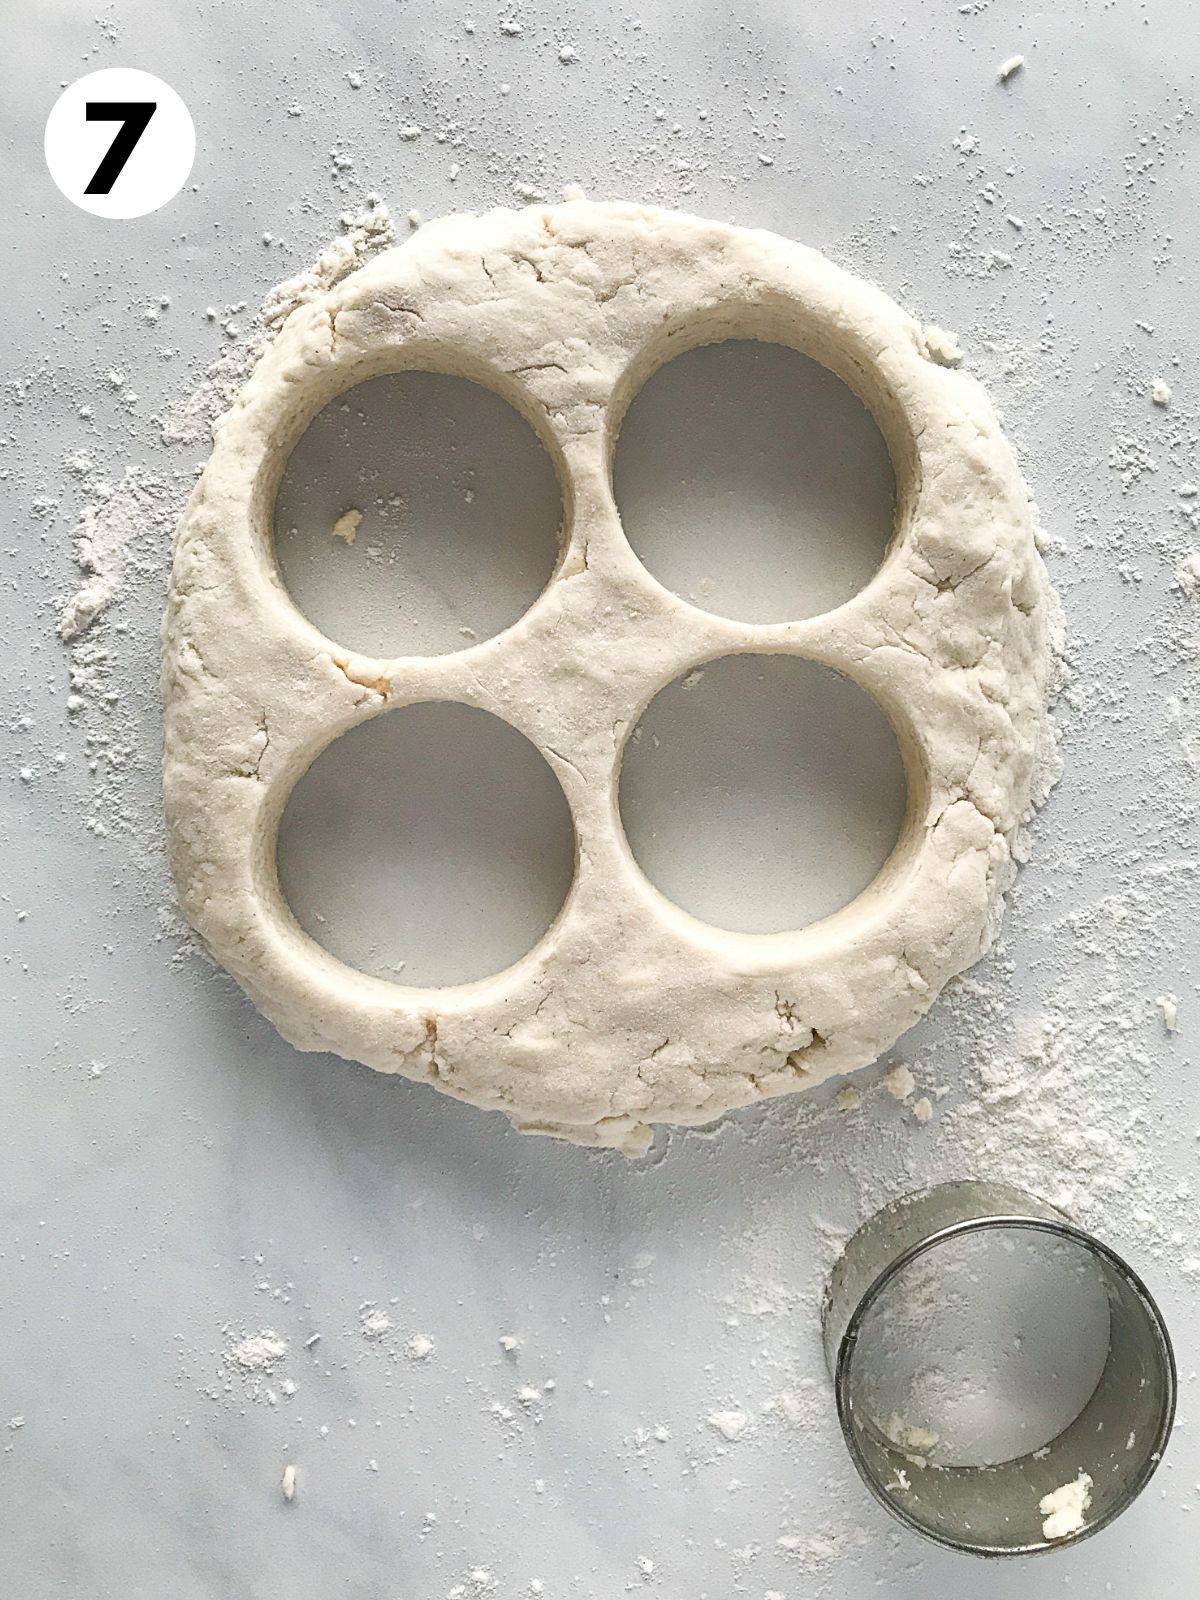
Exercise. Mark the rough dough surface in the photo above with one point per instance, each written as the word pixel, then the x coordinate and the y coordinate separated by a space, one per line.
pixel 628 1012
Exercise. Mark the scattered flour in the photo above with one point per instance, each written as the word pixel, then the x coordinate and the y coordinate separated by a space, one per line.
pixel 123 535
pixel 1130 457
pixel 374 1322
pixel 1023 1124
pixel 107 526
pixel 364 235
pixel 803 1406
pixel 257 1352
pixel 819 1550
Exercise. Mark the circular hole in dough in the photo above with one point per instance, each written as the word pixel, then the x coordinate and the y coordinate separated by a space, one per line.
pixel 752 482
pixel 431 845
pixel 761 793
pixel 417 514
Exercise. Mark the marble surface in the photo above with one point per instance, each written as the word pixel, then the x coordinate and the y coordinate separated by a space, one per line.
pixel 175 1177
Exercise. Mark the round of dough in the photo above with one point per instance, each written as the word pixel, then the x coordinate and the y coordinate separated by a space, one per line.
pixel 628 1011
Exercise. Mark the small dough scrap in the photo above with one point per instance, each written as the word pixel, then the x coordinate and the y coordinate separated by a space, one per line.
pixel 1063 1508
pixel 942 346
pixel 899 1081
pixel 346 525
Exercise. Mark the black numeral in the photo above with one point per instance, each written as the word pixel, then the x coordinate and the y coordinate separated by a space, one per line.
pixel 133 115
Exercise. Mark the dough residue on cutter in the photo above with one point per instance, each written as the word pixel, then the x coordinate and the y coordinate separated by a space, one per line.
pixel 346 525
pixel 1063 1508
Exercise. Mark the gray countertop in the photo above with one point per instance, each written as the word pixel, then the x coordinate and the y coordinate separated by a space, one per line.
pixel 176 1177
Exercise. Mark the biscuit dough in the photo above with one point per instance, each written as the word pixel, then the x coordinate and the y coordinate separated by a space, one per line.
pixel 628 1012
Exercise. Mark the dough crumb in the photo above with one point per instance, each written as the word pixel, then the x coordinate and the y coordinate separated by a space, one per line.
pixel 848 1099
pixel 1008 68
pixel 288 1485
pixel 346 525
pixel 1187 574
pixel 1169 1006
pixel 419 1348
pixel 942 347
pixel 1160 392
pixel 1063 1509
pixel 910 1436
pixel 923 1108
pixel 509 1342
pixel 729 1424
pixel 899 1082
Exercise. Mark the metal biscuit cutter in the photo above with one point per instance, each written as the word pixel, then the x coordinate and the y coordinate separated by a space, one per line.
pixel 1117 1439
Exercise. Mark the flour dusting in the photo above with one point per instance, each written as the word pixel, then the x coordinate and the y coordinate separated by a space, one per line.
pixel 107 526
pixel 122 543
pixel 364 234
pixel 257 1352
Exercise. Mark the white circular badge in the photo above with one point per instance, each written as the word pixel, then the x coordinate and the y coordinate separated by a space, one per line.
pixel 119 143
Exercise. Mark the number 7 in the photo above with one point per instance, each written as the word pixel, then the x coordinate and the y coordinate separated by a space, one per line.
pixel 133 115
